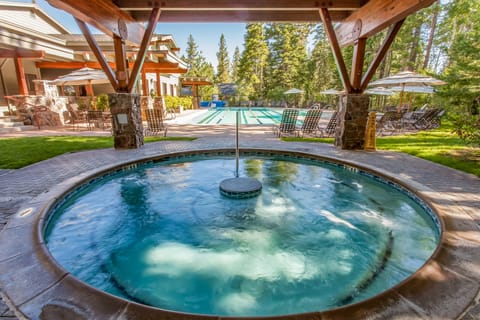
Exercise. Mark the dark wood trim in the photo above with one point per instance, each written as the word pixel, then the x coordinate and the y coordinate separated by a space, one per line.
pixel 382 51
pixel 377 15
pixel 147 36
pixel 121 63
pixel 357 64
pixel 98 53
pixel 337 53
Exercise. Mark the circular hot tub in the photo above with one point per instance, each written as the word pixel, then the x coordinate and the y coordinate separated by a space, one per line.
pixel 320 236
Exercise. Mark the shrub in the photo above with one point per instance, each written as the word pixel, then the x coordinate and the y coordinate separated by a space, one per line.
pixel 102 102
pixel 467 127
pixel 173 102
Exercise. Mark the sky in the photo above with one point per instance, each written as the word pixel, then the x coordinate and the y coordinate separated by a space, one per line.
pixel 206 35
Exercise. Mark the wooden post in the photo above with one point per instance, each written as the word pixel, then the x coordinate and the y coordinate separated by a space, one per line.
pixel 22 83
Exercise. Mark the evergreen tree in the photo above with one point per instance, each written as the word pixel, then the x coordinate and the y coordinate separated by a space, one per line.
pixel 235 64
pixel 198 66
pixel 288 56
pixel 223 72
pixel 252 63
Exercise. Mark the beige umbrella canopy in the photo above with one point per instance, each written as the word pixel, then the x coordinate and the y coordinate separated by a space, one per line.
pixel 84 76
pixel 402 81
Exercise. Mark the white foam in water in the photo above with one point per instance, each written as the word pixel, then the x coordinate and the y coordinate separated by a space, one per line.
pixel 162 236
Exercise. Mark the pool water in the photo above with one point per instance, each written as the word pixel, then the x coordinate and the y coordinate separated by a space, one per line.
pixel 319 236
pixel 250 116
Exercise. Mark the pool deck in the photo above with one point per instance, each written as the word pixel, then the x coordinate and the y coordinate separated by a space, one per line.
pixel 447 287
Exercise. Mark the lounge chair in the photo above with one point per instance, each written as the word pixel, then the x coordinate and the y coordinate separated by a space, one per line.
pixel 95 119
pixel 310 123
pixel 329 130
pixel 287 123
pixel 155 124
pixel 390 121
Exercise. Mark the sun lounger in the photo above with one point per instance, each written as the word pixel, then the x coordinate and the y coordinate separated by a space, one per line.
pixel 155 124
pixel 288 122
pixel 310 123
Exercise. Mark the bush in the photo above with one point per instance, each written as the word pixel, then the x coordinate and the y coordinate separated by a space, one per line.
pixel 172 102
pixel 467 127
pixel 102 102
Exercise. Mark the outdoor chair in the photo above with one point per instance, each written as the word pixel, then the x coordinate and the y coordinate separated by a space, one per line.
pixel 390 121
pixel 76 117
pixel 329 130
pixel 310 123
pixel 288 122
pixel 428 120
pixel 95 119
pixel 155 123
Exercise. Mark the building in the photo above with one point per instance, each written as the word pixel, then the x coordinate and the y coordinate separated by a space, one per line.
pixel 35 46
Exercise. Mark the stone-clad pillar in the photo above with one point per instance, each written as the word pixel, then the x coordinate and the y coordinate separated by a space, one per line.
pixel 352 121
pixel 126 120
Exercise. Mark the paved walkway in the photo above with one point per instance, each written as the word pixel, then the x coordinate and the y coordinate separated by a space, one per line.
pixel 449 288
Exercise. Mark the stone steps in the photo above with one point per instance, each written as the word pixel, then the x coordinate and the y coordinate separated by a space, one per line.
pixel 13 124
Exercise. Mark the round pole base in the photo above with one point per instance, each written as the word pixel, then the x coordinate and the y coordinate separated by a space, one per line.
pixel 240 188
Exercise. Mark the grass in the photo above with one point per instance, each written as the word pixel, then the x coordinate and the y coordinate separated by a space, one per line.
pixel 20 152
pixel 439 145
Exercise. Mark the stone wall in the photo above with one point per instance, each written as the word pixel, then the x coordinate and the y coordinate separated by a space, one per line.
pixel 41 111
pixel 352 121
pixel 126 120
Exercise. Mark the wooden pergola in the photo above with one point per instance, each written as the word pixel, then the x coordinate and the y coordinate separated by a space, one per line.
pixel 357 20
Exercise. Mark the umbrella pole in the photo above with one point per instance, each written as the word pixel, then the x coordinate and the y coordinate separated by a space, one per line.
pixel 401 98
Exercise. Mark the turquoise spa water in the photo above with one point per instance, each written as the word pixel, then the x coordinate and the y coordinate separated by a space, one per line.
pixel 319 236
pixel 250 116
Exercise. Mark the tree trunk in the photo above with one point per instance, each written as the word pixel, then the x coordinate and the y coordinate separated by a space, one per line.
pixel 412 60
pixel 431 35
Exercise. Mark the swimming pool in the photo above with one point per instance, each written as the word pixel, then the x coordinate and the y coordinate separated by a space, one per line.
pixel 174 209
pixel 250 116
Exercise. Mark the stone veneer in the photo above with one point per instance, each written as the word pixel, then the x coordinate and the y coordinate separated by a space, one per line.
pixel 127 120
pixel 352 121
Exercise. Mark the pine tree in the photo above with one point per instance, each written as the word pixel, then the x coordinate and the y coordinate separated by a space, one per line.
pixel 253 62
pixel 235 65
pixel 223 72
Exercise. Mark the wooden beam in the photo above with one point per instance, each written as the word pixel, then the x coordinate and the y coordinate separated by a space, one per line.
pixel 158 84
pixel 294 16
pixel 98 54
pixel 22 53
pixel 382 51
pixel 144 84
pixel 228 4
pixel 147 36
pixel 357 63
pixel 162 67
pixel 105 16
pixel 22 83
pixel 337 53
pixel 377 15
pixel 121 63
pixel 240 16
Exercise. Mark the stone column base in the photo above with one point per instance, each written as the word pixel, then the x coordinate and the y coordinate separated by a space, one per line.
pixel 352 121
pixel 127 124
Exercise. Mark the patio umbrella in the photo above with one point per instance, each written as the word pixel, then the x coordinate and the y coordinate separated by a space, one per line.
pixel 380 91
pixel 406 79
pixel 84 76
pixel 330 91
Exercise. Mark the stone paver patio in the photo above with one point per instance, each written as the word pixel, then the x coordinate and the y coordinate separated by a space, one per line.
pixel 446 288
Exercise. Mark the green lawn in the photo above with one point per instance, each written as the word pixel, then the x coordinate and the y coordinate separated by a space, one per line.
pixel 439 145
pixel 20 152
